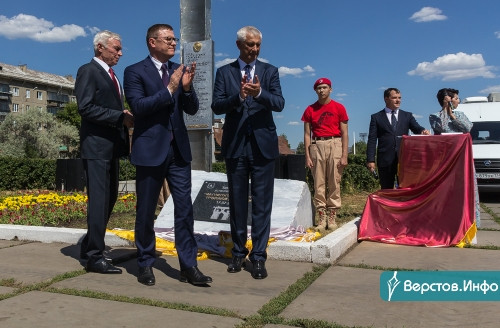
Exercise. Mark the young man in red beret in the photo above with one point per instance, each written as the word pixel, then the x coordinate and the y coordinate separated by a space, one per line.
pixel 326 142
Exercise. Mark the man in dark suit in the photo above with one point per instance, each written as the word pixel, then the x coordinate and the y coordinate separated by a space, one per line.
pixel 159 93
pixel 103 139
pixel 247 91
pixel 387 126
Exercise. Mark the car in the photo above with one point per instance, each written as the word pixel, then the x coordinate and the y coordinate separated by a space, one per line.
pixel 484 113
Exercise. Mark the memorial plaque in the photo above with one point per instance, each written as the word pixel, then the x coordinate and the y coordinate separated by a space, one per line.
pixel 212 203
pixel 202 53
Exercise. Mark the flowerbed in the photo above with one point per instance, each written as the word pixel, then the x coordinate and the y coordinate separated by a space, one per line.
pixel 48 208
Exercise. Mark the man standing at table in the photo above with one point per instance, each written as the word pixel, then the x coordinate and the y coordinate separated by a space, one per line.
pixel 160 92
pixel 103 140
pixel 248 91
pixel 387 127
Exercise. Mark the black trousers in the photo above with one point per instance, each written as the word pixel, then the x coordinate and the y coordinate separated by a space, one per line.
pixel 388 174
pixel 102 192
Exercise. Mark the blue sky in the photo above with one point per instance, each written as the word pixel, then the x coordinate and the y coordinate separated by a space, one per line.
pixel 363 46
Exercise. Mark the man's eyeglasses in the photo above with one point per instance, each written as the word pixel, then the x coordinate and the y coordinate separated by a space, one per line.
pixel 168 40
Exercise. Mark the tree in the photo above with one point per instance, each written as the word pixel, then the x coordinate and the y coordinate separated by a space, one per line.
pixel 301 149
pixel 36 134
pixel 286 138
pixel 361 148
pixel 69 114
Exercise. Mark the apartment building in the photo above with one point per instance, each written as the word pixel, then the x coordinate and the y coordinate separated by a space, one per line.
pixel 22 89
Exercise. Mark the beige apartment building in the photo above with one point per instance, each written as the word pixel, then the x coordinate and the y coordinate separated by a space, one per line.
pixel 22 89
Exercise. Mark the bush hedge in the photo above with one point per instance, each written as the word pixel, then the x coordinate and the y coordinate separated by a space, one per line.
pixel 27 173
pixel 22 173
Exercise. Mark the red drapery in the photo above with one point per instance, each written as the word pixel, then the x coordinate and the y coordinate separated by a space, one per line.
pixel 435 205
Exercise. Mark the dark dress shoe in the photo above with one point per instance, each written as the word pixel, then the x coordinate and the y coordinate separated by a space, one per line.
pixel 102 266
pixel 194 276
pixel 146 276
pixel 236 264
pixel 259 270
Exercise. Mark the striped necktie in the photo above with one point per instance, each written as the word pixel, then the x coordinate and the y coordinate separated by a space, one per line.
pixel 394 121
pixel 165 77
pixel 248 69
pixel 115 82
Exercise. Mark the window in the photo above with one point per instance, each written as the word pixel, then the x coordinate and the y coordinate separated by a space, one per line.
pixel 15 108
pixel 4 88
pixel 39 95
pixel 28 93
pixel 15 91
pixel 4 107
pixel 485 132
pixel 27 107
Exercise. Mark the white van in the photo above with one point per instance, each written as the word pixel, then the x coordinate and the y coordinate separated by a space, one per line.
pixel 484 113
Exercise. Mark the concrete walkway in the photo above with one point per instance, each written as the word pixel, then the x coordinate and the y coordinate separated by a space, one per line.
pixel 42 284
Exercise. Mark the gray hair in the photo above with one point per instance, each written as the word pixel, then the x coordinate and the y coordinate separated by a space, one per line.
pixel 103 37
pixel 242 33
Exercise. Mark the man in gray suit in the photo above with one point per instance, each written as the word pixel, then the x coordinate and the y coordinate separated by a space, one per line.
pixel 387 126
pixel 248 91
pixel 103 140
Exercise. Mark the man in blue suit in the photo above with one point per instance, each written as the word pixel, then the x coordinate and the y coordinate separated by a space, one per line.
pixel 159 93
pixel 248 91
pixel 103 140
pixel 387 126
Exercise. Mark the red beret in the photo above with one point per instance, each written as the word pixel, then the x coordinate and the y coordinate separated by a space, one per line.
pixel 322 80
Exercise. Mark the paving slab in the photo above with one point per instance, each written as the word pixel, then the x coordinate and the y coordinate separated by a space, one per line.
pixel 488 238
pixel 237 292
pixel 489 224
pixel 9 243
pixel 6 290
pixel 351 297
pixel 36 262
pixel 421 258
pixel 40 309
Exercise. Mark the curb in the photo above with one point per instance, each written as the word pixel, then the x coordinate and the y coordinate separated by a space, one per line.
pixel 324 251
pixel 54 235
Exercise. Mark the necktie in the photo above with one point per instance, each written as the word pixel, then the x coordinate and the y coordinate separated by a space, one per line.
pixel 166 80
pixel 394 121
pixel 165 77
pixel 114 80
pixel 247 72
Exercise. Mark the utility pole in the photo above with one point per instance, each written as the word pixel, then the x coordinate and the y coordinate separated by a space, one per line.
pixel 197 46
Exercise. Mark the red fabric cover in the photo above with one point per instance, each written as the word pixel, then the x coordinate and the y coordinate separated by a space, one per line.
pixel 435 203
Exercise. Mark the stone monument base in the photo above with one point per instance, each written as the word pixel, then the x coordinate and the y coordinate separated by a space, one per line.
pixel 292 206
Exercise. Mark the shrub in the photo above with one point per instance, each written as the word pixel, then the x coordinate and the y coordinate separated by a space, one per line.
pixel 27 173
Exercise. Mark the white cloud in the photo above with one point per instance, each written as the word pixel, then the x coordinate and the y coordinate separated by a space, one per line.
pixel 93 30
pixel 490 89
pixel 294 123
pixel 297 72
pixel 497 33
pixel 428 14
pixel 452 67
pixel 38 29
